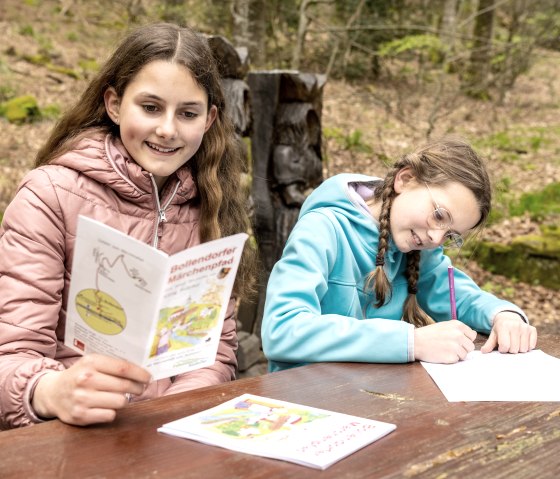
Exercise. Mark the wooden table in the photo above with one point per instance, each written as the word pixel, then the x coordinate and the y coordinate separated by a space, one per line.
pixel 434 438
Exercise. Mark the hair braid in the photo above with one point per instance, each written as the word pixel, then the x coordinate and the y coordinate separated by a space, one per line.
pixel 381 285
pixel 412 312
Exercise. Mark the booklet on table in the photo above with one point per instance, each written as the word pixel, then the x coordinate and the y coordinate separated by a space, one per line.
pixel 280 430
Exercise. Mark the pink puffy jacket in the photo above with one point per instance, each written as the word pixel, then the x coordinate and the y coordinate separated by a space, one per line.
pixel 98 180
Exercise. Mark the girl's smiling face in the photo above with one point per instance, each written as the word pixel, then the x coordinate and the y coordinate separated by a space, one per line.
pixel 415 203
pixel 163 115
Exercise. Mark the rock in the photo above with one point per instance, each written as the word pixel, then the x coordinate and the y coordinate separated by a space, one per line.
pixel 534 259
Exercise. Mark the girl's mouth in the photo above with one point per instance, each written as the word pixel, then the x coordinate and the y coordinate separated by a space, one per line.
pixel 416 239
pixel 160 149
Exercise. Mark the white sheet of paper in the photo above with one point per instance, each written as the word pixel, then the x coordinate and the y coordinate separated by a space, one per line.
pixel 533 376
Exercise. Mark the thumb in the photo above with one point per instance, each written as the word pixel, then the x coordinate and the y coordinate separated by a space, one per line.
pixel 490 344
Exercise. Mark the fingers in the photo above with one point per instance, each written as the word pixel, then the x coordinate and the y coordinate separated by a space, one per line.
pixel 118 368
pixel 91 390
pixel 490 343
pixel 98 381
pixel 511 334
pixel 468 332
pixel 446 342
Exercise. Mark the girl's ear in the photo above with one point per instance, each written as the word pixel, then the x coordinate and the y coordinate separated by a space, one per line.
pixel 404 178
pixel 112 104
pixel 212 114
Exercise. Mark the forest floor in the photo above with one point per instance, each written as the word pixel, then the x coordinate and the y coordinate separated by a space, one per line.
pixel 365 127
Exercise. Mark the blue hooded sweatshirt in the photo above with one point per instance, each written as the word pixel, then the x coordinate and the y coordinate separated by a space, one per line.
pixel 317 308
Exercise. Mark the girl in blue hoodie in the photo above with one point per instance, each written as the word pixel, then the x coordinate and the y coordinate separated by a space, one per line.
pixel 363 276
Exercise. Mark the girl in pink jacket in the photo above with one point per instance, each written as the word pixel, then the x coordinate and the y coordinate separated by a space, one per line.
pixel 146 150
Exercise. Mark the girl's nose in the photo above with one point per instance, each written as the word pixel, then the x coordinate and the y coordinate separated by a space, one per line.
pixel 436 237
pixel 166 128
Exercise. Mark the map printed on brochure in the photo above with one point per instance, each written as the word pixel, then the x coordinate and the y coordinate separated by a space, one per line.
pixel 281 430
pixel 132 301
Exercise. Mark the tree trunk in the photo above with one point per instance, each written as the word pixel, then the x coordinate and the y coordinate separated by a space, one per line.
pixel 302 30
pixel 476 83
pixel 249 28
pixel 448 24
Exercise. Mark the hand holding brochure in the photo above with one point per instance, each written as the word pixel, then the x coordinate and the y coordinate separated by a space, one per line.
pixel 280 430
pixel 132 301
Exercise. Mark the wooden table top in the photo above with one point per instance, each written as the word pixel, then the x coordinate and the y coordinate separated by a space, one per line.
pixel 434 438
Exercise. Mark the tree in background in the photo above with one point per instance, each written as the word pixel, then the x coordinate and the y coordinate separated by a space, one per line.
pixel 475 80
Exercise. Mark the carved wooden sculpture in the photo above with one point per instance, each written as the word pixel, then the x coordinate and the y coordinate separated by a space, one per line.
pixel 286 151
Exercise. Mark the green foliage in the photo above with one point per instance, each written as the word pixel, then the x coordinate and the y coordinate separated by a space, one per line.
pixel 352 141
pixel 6 92
pixel 510 145
pixel 72 36
pixel 427 46
pixel 22 109
pixel 502 199
pixel 51 112
pixel 36 59
pixel 27 30
pixel 507 292
pixel 64 71
pixel 538 204
pixel 88 65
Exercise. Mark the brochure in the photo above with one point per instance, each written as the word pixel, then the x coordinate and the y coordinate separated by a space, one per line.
pixel 132 301
pixel 280 430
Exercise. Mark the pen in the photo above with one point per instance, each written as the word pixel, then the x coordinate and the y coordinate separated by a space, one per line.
pixel 451 277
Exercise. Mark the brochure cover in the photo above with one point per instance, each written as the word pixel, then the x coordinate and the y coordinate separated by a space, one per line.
pixel 280 430
pixel 130 300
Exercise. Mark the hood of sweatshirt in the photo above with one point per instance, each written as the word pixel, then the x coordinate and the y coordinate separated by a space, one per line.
pixel 344 196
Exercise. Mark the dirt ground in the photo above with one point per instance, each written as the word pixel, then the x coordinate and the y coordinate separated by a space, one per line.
pixel 365 126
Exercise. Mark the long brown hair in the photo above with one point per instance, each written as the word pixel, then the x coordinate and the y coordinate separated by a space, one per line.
pixel 217 165
pixel 440 162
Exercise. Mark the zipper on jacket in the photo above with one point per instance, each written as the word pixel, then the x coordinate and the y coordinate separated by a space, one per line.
pixel 160 214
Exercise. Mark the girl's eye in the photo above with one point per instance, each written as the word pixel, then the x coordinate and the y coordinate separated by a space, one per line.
pixel 439 215
pixel 189 114
pixel 150 108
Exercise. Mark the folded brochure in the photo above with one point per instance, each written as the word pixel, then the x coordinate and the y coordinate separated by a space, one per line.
pixel 130 300
pixel 280 430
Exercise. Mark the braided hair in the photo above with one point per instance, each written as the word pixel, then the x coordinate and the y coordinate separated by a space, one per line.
pixel 440 162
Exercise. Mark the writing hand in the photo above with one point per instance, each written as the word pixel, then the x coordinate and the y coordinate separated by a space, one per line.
pixel 510 334
pixel 446 342
pixel 90 391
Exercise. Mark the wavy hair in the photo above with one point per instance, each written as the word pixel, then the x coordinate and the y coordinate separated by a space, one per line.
pixel 440 162
pixel 218 164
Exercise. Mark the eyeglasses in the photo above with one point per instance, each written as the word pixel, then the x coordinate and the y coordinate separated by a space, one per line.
pixel 441 219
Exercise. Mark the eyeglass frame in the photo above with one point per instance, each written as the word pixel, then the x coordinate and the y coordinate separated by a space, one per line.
pixel 453 240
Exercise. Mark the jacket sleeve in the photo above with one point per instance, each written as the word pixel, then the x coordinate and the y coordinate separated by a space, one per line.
pixel 295 327
pixel 223 369
pixel 475 307
pixel 31 282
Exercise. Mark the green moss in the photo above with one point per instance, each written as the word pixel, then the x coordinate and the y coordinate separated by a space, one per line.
pixel 538 204
pixel 533 259
pixel 37 59
pixel 22 109
pixel 27 30
pixel 65 71
pixel 89 65
pixel 51 111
